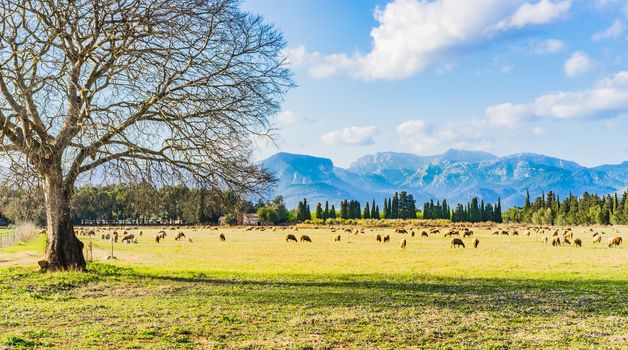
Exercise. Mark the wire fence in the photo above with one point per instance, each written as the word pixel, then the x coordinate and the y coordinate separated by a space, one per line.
pixel 8 237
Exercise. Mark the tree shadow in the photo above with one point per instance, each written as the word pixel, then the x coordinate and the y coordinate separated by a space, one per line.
pixel 467 295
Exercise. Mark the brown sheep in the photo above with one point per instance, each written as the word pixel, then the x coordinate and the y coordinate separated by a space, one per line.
pixel 401 230
pixel 378 238
pixel 555 241
pixel 475 242
pixel 291 237
pixel 128 237
pixel 337 238
pixel 467 234
pixel 179 236
pixel 386 238
pixel 596 239
pixel 222 237
pixel 163 234
pixel 577 242
pixel 403 243
pixel 424 234
pixel 457 242
pixel 614 242
pixel 496 233
pixel 305 238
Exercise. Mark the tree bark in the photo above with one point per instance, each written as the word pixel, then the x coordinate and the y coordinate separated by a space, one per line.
pixel 64 251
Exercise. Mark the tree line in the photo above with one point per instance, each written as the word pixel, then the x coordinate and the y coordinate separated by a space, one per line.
pixel 549 209
pixel 130 203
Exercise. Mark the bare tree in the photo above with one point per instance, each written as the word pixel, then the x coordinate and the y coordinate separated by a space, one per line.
pixel 152 88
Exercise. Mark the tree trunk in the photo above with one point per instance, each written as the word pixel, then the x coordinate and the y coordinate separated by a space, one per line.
pixel 64 251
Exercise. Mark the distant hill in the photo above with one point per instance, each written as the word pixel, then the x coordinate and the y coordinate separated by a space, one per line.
pixel 456 175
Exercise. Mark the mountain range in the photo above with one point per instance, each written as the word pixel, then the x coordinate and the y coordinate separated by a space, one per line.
pixel 456 175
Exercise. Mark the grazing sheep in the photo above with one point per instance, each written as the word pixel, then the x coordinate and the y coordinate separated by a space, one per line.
pixel 179 236
pixel 158 238
pixel 457 242
pixel 291 237
pixel 577 242
pixel 222 237
pixel 424 234
pixel 386 238
pixel 596 239
pixel 337 238
pixel 496 233
pixel 403 243
pixel 475 242
pixel 163 234
pixel 467 234
pixel 128 238
pixel 614 242
pixel 401 230
pixel 305 238
pixel 378 238
pixel 555 241
pixel 505 232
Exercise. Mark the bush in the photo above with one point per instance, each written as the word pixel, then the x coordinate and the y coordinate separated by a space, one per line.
pixel 26 231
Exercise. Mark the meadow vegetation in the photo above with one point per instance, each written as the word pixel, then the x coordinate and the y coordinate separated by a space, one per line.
pixel 255 290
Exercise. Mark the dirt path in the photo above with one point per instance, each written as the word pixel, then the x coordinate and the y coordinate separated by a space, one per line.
pixel 19 259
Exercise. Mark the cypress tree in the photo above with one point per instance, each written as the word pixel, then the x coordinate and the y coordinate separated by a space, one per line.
pixel 385 212
pixel 319 211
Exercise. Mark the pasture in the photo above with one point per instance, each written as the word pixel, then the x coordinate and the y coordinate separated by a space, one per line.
pixel 255 290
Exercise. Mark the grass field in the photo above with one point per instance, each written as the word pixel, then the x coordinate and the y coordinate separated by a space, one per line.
pixel 257 291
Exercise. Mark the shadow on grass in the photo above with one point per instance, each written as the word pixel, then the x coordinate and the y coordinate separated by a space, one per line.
pixel 527 296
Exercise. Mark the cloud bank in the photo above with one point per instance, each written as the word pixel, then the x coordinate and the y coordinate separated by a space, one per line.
pixel 414 34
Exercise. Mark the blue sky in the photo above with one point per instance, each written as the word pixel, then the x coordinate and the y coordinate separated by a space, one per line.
pixel 504 76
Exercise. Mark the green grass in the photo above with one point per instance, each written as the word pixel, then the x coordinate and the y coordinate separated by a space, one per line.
pixel 257 291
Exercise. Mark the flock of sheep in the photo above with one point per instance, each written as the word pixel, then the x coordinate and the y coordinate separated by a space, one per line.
pixel 559 236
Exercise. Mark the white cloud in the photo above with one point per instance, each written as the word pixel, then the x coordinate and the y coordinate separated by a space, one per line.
pixel 615 30
pixel 529 14
pixel 542 47
pixel 506 115
pixel 424 137
pixel 414 34
pixel 319 66
pixel 607 98
pixel 577 64
pixel 538 131
pixel 290 117
pixel 621 5
pixel 355 135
